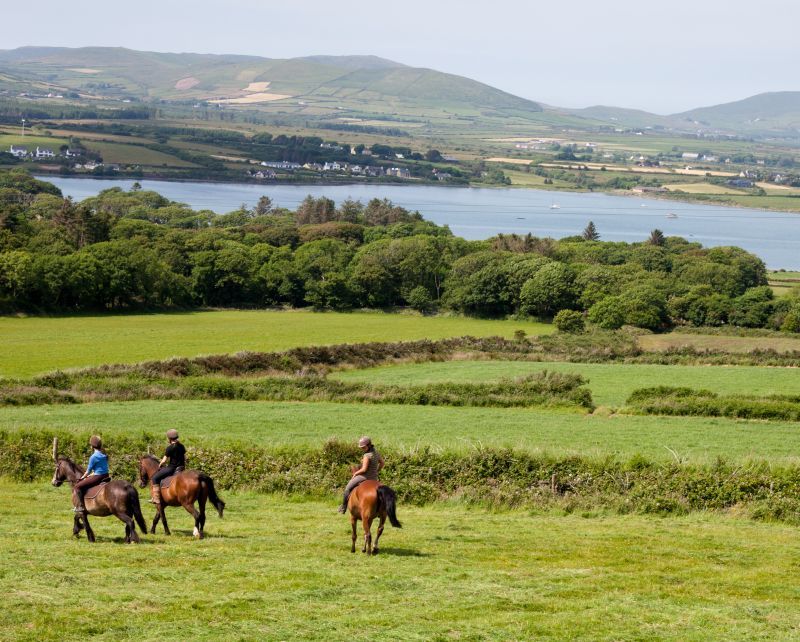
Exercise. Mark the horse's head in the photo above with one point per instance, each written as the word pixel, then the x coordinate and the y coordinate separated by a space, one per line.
pixel 65 469
pixel 60 474
pixel 146 464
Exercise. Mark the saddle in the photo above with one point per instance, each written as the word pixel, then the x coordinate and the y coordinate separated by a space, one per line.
pixel 168 480
pixel 94 490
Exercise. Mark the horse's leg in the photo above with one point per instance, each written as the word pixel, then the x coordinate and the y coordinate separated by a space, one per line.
pixel 162 511
pixel 89 531
pixel 194 513
pixel 379 533
pixel 367 524
pixel 353 523
pixel 130 527
pixel 155 520
pixel 77 527
pixel 201 502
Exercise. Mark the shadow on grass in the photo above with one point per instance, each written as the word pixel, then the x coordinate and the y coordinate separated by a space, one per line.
pixel 401 552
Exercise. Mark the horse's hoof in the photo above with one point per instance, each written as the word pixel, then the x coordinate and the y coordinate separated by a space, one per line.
pixel 374 551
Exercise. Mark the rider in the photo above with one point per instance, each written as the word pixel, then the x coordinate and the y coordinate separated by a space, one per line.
pixel 176 455
pixel 371 465
pixel 96 473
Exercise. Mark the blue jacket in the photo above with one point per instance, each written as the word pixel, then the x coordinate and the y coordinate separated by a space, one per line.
pixel 98 463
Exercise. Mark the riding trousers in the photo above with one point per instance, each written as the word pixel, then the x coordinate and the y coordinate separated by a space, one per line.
pixel 355 481
pixel 163 473
pixel 85 484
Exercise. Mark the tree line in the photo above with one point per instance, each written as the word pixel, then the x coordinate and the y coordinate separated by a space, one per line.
pixel 136 249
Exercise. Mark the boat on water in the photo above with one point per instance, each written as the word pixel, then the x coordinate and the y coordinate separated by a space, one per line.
pixel 672 215
pixel 555 206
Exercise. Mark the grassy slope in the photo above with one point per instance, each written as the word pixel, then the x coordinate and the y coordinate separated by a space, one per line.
pixel 610 383
pixel 271 425
pixel 33 345
pixel 280 570
pixel 717 342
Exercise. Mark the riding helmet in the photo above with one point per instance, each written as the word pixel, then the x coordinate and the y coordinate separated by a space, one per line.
pixel 364 441
pixel 172 434
pixel 95 442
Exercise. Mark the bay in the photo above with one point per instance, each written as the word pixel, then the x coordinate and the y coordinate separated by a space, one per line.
pixel 479 213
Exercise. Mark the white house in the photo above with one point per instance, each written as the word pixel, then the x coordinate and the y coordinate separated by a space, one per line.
pixel 19 152
pixel 43 152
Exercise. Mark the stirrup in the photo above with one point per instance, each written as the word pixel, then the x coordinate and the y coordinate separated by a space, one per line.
pixel 78 509
pixel 342 509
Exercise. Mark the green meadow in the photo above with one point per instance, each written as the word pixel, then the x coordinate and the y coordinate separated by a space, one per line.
pixel 41 344
pixel 407 428
pixel 279 568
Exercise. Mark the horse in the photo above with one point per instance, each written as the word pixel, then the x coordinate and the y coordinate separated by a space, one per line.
pixel 369 500
pixel 118 498
pixel 185 488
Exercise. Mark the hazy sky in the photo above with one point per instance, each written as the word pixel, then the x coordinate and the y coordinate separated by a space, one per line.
pixel 663 57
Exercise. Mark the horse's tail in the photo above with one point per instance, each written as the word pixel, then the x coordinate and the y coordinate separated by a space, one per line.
pixel 136 508
pixel 387 500
pixel 212 493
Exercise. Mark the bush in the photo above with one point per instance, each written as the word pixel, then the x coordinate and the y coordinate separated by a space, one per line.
pixel 570 321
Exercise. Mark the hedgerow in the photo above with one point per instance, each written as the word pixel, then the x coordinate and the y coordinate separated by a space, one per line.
pixel 667 400
pixel 499 477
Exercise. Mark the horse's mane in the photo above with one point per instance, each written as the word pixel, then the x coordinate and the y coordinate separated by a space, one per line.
pixel 150 457
pixel 75 467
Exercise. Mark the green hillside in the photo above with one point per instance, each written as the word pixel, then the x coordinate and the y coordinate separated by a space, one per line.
pixel 769 112
pixel 102 73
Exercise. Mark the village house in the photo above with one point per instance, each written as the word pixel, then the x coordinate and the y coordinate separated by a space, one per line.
pixel 263 174
pixel 690 156
pixel 399 172
pixel 19 152
pixel 281 165
pixel 313 166
pixel 43 152
pixel 332 167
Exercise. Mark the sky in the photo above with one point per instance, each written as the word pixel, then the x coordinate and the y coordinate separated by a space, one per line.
pixel 662 57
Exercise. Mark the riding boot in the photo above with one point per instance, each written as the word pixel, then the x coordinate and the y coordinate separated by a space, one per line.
pixel 81 507
pixel 343 507
pixel 155 494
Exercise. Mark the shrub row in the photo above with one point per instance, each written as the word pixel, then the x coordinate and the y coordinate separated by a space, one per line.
pixel 538 389
pixel 668 400
pixel 487 476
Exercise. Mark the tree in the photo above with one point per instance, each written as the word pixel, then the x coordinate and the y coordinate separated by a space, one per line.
pixel 569 321
pixel 551 289
pixel 590 233
pixel 420 299
pixel 657 238
pixel 263 206
pixel 608 313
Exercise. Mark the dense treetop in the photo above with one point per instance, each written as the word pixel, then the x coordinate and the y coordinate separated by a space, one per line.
pixel 136 249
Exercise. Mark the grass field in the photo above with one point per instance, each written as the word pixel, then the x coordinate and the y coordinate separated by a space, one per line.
pixel 38 344
pixel 405 428
pixel 611 384
pixel 280 569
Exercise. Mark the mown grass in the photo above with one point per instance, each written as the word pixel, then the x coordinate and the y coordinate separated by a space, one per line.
pixel 611 383
pixel 289 424
pixel 280 569
pixel 38 344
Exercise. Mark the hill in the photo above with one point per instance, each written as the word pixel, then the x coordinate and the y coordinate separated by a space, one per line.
pixel 772 112
pixel 315 83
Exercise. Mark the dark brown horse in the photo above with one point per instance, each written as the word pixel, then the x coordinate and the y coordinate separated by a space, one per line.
pixel 185 488
pixel 118 498
pixel 369 500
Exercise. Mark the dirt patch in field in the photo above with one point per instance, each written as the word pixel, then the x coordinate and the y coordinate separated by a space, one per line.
pixel 251 99
pixel 716 342
pixel 257 86
pixel 510 161
pixel 187 83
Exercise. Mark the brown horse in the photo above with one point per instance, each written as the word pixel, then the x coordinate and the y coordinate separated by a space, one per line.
pixel 369 500
pixel 118 498
pixel 186 488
